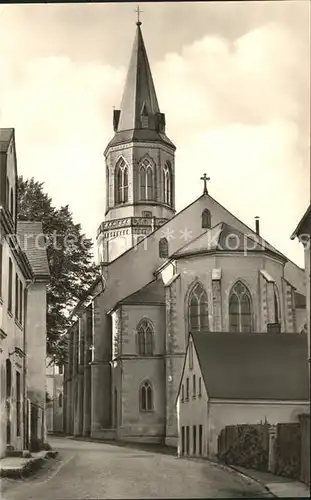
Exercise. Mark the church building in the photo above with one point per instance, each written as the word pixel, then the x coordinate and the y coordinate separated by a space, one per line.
pixel 164 274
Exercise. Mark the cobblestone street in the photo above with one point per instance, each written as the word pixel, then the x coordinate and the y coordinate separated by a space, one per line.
pixel 94 470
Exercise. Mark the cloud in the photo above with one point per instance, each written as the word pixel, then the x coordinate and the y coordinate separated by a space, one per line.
pixel 236 107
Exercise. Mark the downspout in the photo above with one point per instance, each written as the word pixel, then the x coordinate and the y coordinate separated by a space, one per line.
pixel 25 419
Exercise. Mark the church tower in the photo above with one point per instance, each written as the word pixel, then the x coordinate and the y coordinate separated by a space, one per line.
pixel 140 170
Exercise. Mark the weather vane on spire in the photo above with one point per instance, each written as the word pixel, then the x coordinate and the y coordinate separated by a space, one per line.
pixel 138 12
pixel 205 179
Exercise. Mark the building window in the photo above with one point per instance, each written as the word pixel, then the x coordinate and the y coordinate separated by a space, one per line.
pixel 21 305
pixel 60 400
pixel 190 355
pixel 187 440
pixel 12 202
pixel 1 255
pixel 146 181
pixel 194 442
pixel 198 309
pixel 10 285
pixel 183 440
pixel 200 439
pixel 276 306
pixel 182 393
pixel 16 297
pixel 7 194
pixel 206 219
pixel 240 315
pixel 146 397
pixel 187 389
pixel 194 389
pixel 121 182
pixel 163 248
pixel 167 183
pixel 145 338
pixel 60 369
pixel 200 387
pixel 18 404
pixel 147 214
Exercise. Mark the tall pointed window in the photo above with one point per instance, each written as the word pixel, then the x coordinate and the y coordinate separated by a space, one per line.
pixel 198 309
pixel 240 309
pixel 276 306
pixel 163 248
pixel 146 181
pixel 121 182
pixel 206 219
pixel 145 338
pixel 167 183
pixel 146 397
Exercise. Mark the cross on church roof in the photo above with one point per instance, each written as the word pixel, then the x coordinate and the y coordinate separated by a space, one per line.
pixel 138 12
pixel 205 179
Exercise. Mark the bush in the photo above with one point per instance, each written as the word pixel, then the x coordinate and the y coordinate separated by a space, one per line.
pixel 246 448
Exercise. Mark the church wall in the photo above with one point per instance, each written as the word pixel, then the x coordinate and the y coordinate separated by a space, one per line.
pixel 132 315
pixel 146 257
pixel 224 413
pixel 292 272
pixel 142 425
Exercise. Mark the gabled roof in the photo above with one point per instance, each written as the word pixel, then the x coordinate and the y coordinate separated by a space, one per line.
pixel 223 238
pixel 151 294
pixel 304 225
pixel 32 242
pixel 6 135
pixel 254 366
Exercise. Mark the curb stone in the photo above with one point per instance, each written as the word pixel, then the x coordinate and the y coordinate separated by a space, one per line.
pixel 28 468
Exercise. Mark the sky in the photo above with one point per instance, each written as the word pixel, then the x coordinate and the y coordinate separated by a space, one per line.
pixel 233 79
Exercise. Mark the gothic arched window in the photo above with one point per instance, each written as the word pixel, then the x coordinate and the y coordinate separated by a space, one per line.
pixel 276 306
pixel 163 248
pixel 206 219
pixel 198 309
pixel 145 338
pixel 121 182
pixel 167 183
pixel 146 397
pixel 240 309
pixel 146 184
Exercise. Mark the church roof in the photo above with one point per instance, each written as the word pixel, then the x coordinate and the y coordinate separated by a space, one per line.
pixel 221 237
pixel 304 225
pixel 5 138
pixel 32 242
pixel 262 366
pixel 139 88
pixel 139 100
pixel 151 294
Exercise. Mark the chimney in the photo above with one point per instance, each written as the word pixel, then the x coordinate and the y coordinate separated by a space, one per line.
pixel 257 224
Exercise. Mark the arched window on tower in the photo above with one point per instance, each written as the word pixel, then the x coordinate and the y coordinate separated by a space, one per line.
pixel 163 248
pixel 167 183
pixel 146 181
pixel 206 219
pixel 145 338
pixel 198 309
pixel 121 182
pixel 146 397
pixel 276 306
pixel 240 309
pixel 12 202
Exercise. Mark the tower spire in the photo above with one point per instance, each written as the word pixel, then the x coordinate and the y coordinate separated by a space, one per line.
pixel 138 12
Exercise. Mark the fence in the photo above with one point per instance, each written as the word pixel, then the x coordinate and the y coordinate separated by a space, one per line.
pixel 283 449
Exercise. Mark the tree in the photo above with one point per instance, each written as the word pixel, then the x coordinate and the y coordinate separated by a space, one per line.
pixel 70 260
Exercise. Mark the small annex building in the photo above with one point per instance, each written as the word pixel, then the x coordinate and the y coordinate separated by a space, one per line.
pixel 239 378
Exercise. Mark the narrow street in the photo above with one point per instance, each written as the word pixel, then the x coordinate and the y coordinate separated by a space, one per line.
pixel 95 470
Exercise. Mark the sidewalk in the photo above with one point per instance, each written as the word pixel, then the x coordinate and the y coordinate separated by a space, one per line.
pixel 16 467
pixel 277 485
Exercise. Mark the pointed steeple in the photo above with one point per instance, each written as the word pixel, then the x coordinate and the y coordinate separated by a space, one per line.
pixel 139 96
pixel 139 106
